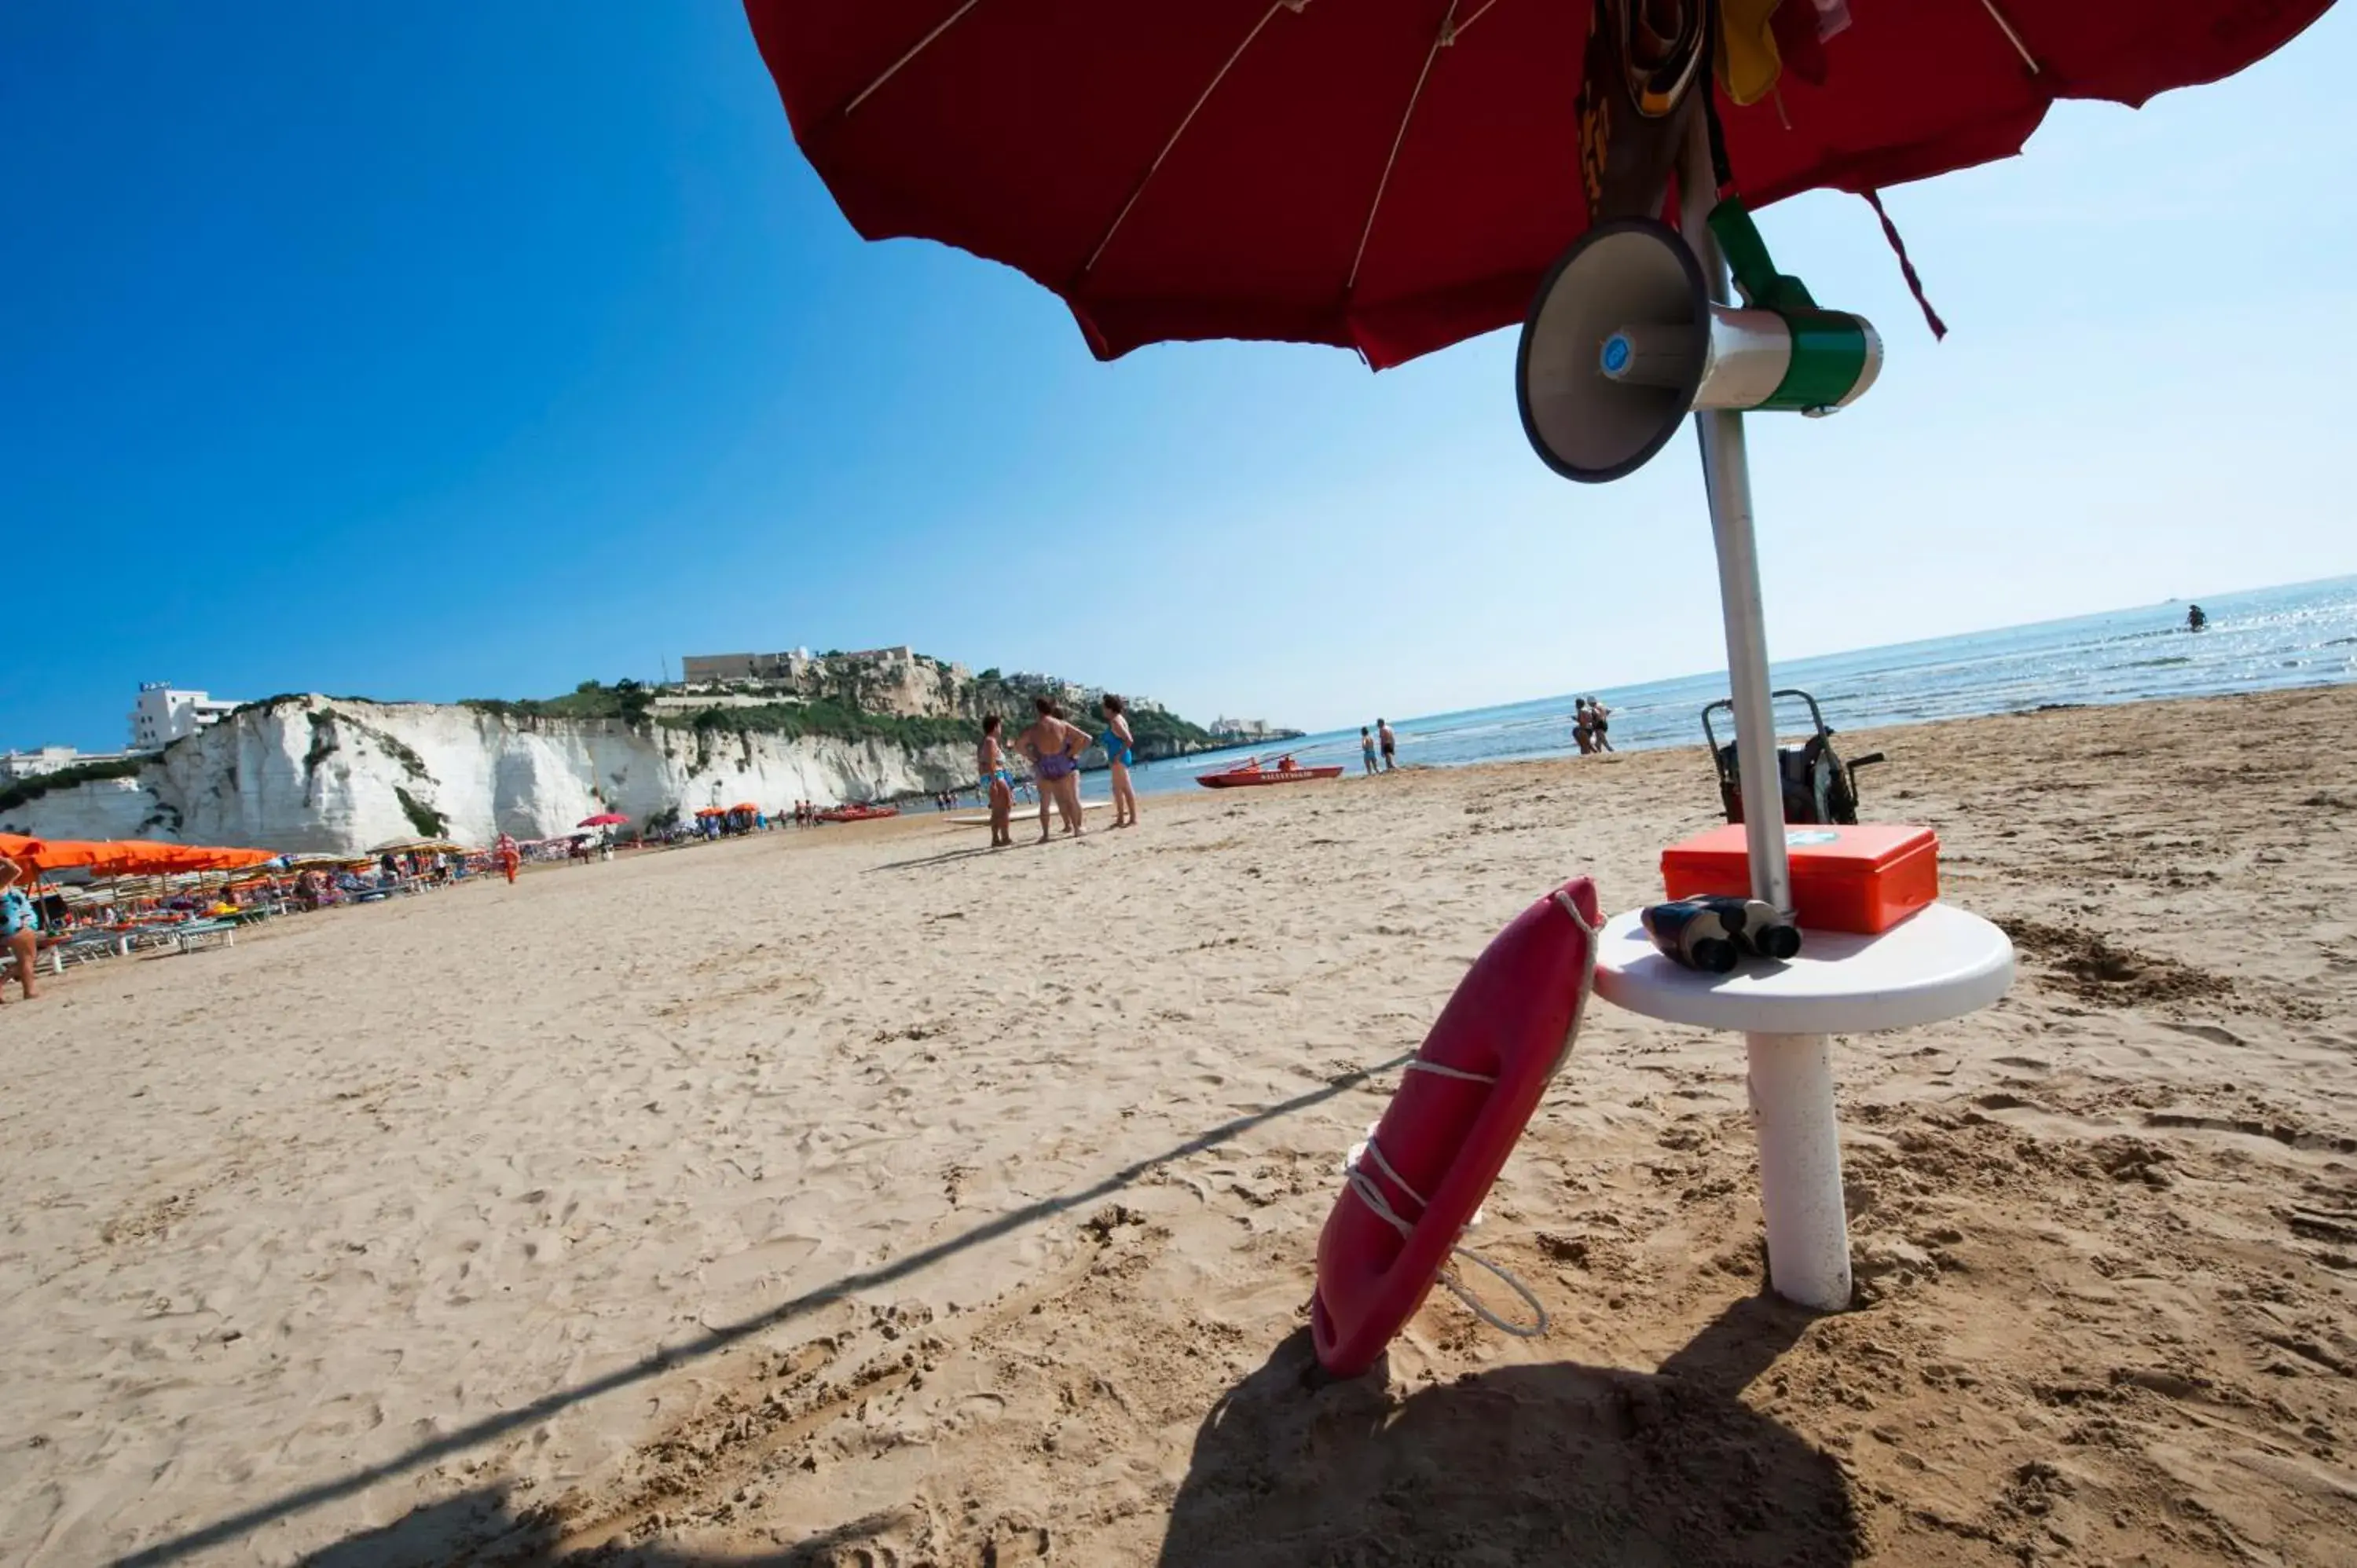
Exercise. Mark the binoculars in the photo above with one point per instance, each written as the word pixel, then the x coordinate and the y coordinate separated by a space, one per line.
pixel 1712 934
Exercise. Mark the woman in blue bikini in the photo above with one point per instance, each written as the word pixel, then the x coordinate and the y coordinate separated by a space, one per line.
pixel 20 929
pixel 990 761
pixel 1118 754
pixel 1054 748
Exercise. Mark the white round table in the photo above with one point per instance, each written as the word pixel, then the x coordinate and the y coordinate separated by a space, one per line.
pixel 1939 963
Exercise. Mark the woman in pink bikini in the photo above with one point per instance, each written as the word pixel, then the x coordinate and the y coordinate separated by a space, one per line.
pixel 1054 748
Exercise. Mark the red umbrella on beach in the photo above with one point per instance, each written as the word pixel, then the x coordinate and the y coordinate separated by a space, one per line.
pixel 603 819
pixel 1392 175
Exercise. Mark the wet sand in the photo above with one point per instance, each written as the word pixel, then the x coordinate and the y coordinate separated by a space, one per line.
pixel 860 1196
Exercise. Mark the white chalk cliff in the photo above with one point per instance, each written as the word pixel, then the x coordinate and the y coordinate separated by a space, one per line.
pixel 325 774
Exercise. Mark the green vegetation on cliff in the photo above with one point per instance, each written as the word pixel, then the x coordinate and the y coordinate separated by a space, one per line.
pixel 29 790
pixel 626 699
pixel 842 714
pixel 827 719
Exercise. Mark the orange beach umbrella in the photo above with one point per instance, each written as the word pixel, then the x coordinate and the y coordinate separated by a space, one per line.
pixel 128 857
pixel 49 854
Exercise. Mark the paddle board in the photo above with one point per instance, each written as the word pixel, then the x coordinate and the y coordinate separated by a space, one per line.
pixel 1023 808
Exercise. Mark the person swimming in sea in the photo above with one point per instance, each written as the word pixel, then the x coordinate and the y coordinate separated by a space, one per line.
pixel 1054 746
pixel 1119 753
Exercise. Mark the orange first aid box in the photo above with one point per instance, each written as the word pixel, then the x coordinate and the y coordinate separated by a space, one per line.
pixel 1865 878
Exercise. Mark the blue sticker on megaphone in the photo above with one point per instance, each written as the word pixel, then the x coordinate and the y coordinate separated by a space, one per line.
pixel 1616 353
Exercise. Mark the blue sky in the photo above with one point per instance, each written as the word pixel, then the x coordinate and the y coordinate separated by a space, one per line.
pixel 475 350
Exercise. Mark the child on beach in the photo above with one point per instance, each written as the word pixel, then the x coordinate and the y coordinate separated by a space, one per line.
pixel 990 763
pixel 1367 749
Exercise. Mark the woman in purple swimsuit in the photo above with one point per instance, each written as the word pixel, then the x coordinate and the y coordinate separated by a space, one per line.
pixel 1054 748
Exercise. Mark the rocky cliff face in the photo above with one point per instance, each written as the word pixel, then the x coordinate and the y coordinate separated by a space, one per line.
pixel 323 773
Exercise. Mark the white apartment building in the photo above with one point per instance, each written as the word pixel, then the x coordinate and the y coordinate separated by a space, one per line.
pixel 18 766
pixel 164 714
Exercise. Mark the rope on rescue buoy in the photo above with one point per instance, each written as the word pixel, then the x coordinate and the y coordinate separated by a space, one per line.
pixel 1372 1195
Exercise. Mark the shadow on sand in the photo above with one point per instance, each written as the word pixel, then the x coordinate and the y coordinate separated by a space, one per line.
pixel 484 1527
pixel 1561 1464
pixel 662 1360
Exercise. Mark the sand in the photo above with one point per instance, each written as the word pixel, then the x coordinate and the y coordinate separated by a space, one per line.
pixel 863 1197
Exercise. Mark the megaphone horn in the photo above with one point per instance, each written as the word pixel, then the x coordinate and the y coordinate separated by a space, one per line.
pixel 1623 342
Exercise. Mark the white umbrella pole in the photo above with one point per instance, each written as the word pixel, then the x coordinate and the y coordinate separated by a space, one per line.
pixel 1791 1074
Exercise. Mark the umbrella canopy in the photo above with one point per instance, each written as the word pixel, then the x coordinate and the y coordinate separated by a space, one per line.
pixel 1390 175
pixel 422 846
pixel 711 811
pixel 144 857
pixel 49 854
pixel 603 819
pixel 745 806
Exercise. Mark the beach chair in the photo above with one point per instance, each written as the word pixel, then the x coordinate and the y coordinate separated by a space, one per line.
pixel 194 936
pixel 87 947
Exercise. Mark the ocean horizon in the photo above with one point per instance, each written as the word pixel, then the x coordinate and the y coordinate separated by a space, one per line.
pixel 2301 634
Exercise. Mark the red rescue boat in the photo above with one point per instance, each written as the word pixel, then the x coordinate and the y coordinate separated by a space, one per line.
pixel 1462 1107
pixel 857 813
pixel 1286 771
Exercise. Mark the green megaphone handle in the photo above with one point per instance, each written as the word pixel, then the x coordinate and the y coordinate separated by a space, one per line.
pixel 1764 289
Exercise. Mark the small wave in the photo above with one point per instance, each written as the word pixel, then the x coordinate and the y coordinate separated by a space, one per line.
pixel 2156 663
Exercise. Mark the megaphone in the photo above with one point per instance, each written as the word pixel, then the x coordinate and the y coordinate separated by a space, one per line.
pixel 1623 342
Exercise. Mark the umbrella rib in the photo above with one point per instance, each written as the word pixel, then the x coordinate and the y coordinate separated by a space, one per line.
pixel 1200 99
pixel 1440 40
pixel 921 45
pixel 1474 16
pixel 2010 35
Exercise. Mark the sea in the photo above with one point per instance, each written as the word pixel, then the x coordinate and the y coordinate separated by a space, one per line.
pixel 2265 639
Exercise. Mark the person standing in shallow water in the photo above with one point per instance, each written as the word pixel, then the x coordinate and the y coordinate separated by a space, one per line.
pixel 990 763
pixel 1367 749
pixel 1116 742
pixel 1389 741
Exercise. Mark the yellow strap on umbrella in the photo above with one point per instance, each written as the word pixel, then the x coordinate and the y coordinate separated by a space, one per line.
pixel 1746 61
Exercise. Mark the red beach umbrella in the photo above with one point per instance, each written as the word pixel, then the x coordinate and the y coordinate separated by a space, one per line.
pixel 603 819
pixel 1389 176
